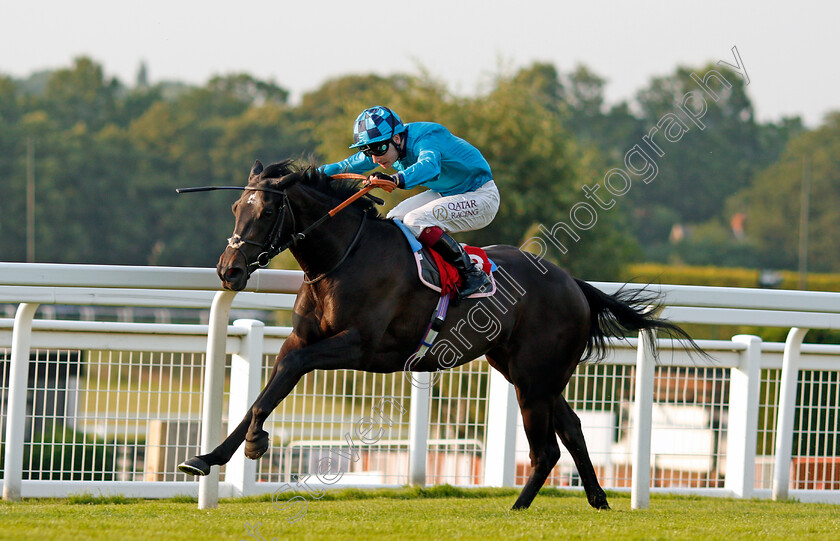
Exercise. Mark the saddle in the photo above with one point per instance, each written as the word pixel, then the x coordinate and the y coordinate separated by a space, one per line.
pixel 439 275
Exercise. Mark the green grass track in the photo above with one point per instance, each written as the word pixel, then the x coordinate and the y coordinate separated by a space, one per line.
pixel 440 513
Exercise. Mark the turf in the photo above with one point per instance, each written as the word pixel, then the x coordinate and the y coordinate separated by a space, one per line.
pixel 441 513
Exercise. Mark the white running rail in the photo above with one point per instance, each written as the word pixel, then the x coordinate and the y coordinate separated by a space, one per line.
pixel 31 285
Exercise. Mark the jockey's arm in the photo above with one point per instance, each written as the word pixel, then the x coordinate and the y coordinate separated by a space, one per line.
pixel 357 163
pixel 425 169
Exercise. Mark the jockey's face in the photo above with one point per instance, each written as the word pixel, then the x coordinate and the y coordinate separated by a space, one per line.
pixel 388 159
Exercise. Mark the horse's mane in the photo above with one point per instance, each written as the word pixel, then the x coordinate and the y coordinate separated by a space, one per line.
pixel 288 172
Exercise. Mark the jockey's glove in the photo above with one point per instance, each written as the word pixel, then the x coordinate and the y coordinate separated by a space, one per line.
pixel 381 180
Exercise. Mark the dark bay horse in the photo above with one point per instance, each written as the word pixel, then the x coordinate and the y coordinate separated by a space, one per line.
pixel 362 307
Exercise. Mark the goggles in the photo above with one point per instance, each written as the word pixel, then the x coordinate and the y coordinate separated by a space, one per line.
pixel 375 149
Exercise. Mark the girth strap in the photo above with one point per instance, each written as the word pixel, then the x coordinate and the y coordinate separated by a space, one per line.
pixel 432 330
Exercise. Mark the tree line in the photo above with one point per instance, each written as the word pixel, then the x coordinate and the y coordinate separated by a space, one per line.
pixel 106 158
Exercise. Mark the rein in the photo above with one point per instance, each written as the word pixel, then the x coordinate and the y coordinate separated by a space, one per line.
pixel 269 247
pixel 361 193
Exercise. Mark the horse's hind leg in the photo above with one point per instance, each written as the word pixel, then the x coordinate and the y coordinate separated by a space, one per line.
pixel 567 425
pixel 538 422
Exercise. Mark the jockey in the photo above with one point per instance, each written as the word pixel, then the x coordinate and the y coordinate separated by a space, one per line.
pixel 462 195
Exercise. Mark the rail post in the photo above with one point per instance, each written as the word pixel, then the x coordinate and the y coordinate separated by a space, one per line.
pixel 245 379
pixel 500 457
pixel 743 418
pixel 16 413
pixel 214 386
pixel 418 426
pixel 787 408
pixel 643 415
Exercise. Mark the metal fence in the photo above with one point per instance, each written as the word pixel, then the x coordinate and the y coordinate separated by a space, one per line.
pixel 113 407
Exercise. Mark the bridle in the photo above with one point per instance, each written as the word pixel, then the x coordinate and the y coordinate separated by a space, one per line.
pixel 271 246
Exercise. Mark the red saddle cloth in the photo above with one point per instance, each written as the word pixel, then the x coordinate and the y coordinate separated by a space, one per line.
pixel 450 280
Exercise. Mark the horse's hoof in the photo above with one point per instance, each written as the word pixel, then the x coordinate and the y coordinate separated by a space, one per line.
pixel 256 447
pixel 520 505
pixel 599 502
pixel 194 466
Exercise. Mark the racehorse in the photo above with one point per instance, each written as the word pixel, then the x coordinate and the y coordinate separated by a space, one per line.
pixel 361 307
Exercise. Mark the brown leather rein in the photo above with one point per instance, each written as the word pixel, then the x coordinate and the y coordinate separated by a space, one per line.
pixel 361 193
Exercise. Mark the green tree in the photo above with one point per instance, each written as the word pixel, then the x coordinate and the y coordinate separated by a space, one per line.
pixel 81 95
pixel 706 165
pixel 208 135
pixel 772 202
pixel 578 97
pixel 108 159
pixel 540 167
pixel 12 173
pixel 703 162
pixel 9 101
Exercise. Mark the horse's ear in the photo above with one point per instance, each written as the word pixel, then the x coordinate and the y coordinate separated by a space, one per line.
pixel 257 168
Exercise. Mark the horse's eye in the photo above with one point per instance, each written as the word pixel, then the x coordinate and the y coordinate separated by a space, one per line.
pixel 268 212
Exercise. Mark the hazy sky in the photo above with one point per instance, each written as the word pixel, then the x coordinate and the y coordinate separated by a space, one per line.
pixel 789 49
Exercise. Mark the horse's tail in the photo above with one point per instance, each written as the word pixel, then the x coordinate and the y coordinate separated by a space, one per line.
pixel 625 312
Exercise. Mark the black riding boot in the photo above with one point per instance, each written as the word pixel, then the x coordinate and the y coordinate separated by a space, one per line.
pixel 472 277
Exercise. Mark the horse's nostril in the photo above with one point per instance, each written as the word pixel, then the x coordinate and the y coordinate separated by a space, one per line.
pixel 232 274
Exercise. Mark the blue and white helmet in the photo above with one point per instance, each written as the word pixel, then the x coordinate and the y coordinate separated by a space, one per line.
pixel 376 124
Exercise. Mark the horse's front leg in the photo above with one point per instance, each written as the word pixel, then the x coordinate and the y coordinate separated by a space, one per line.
pixel 342 351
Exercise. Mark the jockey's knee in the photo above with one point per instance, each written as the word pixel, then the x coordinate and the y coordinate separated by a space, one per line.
pixel 415 226
pixel 395 215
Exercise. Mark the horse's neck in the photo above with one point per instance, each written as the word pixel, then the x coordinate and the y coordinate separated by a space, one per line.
pixel 325 245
